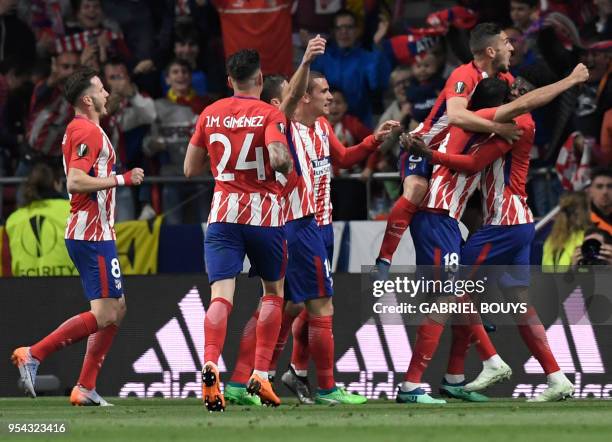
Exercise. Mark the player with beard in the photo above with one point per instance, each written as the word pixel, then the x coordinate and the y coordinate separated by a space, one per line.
pixel 506 237
pixel 89 160
pixel 491 50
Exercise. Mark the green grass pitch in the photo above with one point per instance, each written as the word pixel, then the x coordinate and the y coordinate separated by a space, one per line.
pixel 177 420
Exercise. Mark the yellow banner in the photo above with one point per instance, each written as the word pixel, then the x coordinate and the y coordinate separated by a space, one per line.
pixel 137 246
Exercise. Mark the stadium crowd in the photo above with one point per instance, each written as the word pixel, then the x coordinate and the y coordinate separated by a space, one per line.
pixel 163 63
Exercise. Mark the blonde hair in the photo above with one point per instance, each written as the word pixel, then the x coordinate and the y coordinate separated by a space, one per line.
pixel 573 217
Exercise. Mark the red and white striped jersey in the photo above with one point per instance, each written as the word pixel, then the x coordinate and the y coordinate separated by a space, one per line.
pixel 86 147
pixel 235 131
pixel 322 148
pixel 461 83
pixel 316 144
pixel 299 189
pixel 448 189
pixel 504 197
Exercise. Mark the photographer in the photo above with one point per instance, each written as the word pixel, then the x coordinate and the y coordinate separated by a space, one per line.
pixel 596 249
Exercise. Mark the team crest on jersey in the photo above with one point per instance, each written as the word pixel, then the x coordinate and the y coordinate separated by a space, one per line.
pixel 118 284
pixel 459 87
pixel 82 150
pixel 282 128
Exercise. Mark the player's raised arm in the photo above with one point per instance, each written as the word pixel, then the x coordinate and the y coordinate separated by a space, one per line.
pixel 299 81
pixel 541 96
pixel 80 182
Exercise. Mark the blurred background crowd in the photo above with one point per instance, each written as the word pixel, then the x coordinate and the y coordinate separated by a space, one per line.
pixel 163 61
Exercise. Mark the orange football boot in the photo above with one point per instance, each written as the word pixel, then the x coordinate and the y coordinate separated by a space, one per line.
pixel 211 393
pixel 263 389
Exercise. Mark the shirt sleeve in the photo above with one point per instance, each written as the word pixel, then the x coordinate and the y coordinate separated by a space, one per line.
pixel 85 147
pixel 476 159
pixel 199 136
pixel 276 128
pixel 345 157
pixel 459 85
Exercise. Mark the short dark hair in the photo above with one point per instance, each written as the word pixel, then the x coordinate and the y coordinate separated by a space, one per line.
pixel 344 13
pixel 186 33
pixel 77 83
pixel 314 75
pixel 531 3
pixel 490 92
pixel 601 171
pixel 272 87
pixel 538 74
pixel 243 64
pixel 180 62
pixel 481 36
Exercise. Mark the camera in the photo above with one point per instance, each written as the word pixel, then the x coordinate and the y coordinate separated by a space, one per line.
pixel 590 252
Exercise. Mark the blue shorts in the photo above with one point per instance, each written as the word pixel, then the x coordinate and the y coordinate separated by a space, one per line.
pixel 327 233
pixel 308 271
pixel 437 239
pixel 226 245
pixel 98 266
pixel 506 247
pixel 414 165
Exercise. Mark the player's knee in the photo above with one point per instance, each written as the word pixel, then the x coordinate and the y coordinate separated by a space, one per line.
pixel 321 307
pixel 121 310
pixel 415 188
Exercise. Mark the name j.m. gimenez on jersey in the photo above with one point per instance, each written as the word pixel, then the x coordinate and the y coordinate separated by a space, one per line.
pixel 233 122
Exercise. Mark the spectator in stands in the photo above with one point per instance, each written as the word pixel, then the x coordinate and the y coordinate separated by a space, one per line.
pixel 424 87
pixel 16 38
pixel 187 47
pixel 49 115
pixel 567 233
pixel 522 55
pixel 398 109
pixel 600 193
pixel 354 70
pixel 129 117
pixel 176 115
pixel 15 93
pixel 523 13
pixel 47 22
pixel 35 231
pixel 99 37
pixel 595 96
pixel 135 19
pixel 350 131
pixel 600 26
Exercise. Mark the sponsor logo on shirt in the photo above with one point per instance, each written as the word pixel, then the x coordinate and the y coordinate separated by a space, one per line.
pixel 321 166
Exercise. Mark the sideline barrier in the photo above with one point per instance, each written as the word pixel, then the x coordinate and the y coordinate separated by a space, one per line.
pixel 158 350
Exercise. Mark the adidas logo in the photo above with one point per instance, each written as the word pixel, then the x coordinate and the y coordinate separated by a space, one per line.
pixel 182 351
pixel 373 358
pixel 583 358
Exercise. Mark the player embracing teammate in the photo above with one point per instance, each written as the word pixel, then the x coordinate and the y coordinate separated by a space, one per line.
pixel 504 241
